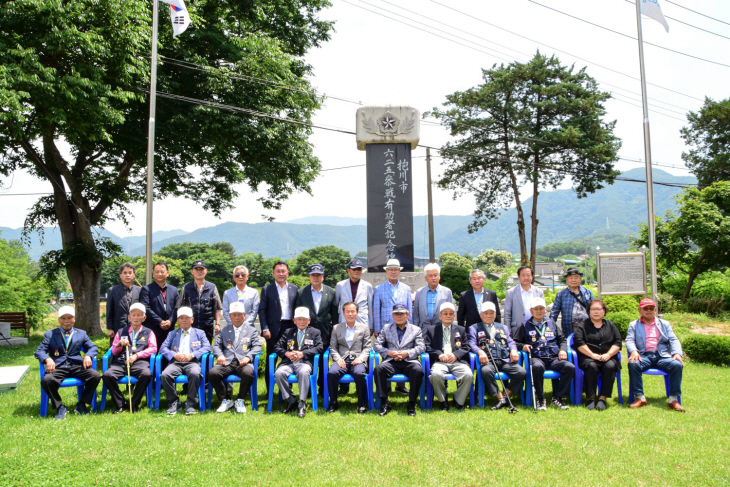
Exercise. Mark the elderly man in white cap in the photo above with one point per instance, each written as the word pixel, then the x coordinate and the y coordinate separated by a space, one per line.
pixel 490 337
pixel 184 349
pixel 548 346
pixel 136 344
pixel 60 352
pixel 297 348
pixel 446 345
pixel 235 348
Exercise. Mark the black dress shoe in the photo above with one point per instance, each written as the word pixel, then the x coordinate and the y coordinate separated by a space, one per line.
pixel 411 409
pixel 135 409
pixel 362 410
pixel 444 406
pixel 332 407
pixel 384 408
pixel 500 404
pixel 401 389
pixel 459 407
pixel 289 408
pixel 302 412
pixel 118 410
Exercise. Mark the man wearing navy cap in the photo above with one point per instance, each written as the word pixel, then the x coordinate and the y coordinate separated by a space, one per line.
pixel 357 291
pixel 320 300
pixel 202 297
pixel 60 352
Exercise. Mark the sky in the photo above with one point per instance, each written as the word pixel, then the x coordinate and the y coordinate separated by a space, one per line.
pixel 416 52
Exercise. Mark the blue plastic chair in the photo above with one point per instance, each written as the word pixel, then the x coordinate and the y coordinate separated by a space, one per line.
pixel 579 374
pixel 426 361
pixel 552 375
pixel 481 389
pixel 79 385
pixel 292 379
pixel 181 379
pixel 150 387
pixel 231 379
pixel 348 379
pixel 402 379
pixel 653 372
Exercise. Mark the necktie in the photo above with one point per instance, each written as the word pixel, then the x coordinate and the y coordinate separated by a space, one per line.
pixel 300 338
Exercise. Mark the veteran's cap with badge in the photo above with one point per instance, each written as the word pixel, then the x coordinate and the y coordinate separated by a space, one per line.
pixel 355 264
pixel 316 269
pixel 236 307
pixel 301 312
pixel 138 306
pixel 199 263
pixel 447 306
pixel 66 310
pixel 488 306
pixel 400 308
pixel 185 311
pixel 536 302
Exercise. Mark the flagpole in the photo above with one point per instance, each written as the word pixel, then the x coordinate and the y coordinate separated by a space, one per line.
pixel 151 142
pixel 647 158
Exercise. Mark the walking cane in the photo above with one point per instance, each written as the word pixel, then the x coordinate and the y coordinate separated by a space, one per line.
pixel 129 382
pixel 532 381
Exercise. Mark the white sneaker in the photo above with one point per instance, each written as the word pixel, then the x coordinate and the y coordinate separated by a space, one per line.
pixel 225 405
pixel 541 405
pixel 240 406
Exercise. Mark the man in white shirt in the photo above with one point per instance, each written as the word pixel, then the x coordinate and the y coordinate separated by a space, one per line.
pixel 241 293
pixel 517 300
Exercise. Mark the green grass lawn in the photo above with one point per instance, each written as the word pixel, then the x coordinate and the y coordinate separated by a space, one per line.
pixel 649 446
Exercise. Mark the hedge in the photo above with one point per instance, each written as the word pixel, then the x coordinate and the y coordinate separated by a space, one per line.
pixel 713 349
pixel 622 319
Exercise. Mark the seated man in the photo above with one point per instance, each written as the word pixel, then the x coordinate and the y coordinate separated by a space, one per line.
pixel 651 343
pixel 490 337
pixel 400 344
pixel 549 346
pixel 60 351
pixel 138 344
pixel 235 346
pixel 184 349
pixel 446 345
pixel 350 347
pixel 297 348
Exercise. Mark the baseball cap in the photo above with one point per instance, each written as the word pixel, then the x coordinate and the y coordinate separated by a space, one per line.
pixel 316 269
pixel 199 263
pixel 66 310
pixel 236 307
pixel 400 308
pixel 646 302
pixel 447 306
pixel 138 306
pixel 536 302
pixel 488 306
pixel 301 312
pixel 355 264
pixel 185 311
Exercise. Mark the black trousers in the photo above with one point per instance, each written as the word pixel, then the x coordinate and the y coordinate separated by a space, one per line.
pixel 270 344
pixel 139 370
pixel 220 372
pixel 358 372
pixel 388 369
pixel 52 382
pixel 515 373
pixel 563 367
pixel 591 368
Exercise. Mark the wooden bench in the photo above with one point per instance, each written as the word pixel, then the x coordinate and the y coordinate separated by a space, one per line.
pixel 17 321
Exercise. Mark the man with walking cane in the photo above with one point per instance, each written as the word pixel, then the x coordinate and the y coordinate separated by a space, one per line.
pixel 132 349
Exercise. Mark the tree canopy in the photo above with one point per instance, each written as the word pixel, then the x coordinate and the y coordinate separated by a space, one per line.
pixel 333 259
pixel 19 288
pixel 708 135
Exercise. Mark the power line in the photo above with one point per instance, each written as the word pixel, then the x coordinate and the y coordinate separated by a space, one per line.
pixel 688 24
pixel 698 13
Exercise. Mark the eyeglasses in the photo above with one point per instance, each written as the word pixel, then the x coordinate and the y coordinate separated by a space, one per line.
pixel 596 309
pixel 240 275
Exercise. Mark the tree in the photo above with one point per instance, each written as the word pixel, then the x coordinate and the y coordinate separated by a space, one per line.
pixel 456 279
pixel 19 291
pixel 493 261
pixel 452 259
pixel 535 124
pixel 219 259
pixel 76 73
pixel 708 134
pixel 333 259
pixel 698 239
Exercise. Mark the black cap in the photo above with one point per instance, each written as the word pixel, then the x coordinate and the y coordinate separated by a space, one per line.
pixel 316 269
pixel 355 264
pixel 572 271
pixel 400 308
pixel 199 263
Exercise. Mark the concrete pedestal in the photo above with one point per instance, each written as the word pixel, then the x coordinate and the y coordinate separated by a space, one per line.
pixel 6 340
pixel 415 280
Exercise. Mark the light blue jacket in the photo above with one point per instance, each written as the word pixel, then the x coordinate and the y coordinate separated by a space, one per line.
pixel 668 342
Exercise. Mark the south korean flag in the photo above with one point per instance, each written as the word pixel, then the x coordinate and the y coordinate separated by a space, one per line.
pixel 179 16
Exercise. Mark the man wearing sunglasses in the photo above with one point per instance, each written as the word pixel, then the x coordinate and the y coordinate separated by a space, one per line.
pixel 243 294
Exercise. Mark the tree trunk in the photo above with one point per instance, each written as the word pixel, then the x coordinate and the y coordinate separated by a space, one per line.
pixel 518 203
pixel 535 221
pixel 85 281
pixel 693 275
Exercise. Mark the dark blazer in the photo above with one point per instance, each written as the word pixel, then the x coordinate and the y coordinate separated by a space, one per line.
pixel 328 314
pixel 311 346
pixel 53 341
pixel 270 308
pixel 159 310
pixel 468 312
pixel 434 340
pixel 117 310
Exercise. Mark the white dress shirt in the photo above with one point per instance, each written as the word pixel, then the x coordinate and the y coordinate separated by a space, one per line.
pixel 526 297
pixel 284 300
pixel 317 298
pixel 185 341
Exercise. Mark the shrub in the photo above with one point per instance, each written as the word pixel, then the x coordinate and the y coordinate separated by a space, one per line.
pixel 456 279
pixel 622 319
pixel 713 349
pixel 711 284
pixel 622 304
pixel 710 306
pixel 298 281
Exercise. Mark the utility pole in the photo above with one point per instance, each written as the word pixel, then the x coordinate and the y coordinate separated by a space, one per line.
pixel 431 246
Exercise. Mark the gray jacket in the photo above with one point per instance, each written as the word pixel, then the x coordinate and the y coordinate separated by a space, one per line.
pixel 248 344
pixel 412 342
pixel 250 304
pixel 420 306
pixel 361 342
pixel 668 342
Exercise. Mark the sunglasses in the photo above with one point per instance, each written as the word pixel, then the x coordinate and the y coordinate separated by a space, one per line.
pixel 240 275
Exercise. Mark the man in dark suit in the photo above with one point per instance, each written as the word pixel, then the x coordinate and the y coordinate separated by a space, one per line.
pixel 159 299
pixel 274 317
pixel 60 352
pixel 471 301
pixel 119 299
pixel 297 348
pixel 320 300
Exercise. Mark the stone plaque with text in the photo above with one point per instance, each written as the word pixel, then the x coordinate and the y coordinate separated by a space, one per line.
pixel 621 273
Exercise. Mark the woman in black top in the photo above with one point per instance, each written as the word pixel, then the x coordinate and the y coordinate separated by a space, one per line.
pixel 597 341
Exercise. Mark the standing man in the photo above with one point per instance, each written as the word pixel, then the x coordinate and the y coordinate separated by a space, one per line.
pixel 517 301
pixel 60 352
pixel 184 349
pixel 202 297
pixel 427 305
pixel 470 302
pixel 119 299
pixel 276 310
pixel 159 299
pixel 241 293
pixel 320 300
pixel 235 348
pixel 358 291
pixel 446 345
pixel 651 342
pixel 142 347
pixel 297 348
pixel 571 302
pixel 400 345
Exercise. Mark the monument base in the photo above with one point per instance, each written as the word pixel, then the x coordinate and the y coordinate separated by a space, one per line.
pixel 11 377
pixel 414 280
pixel 6 340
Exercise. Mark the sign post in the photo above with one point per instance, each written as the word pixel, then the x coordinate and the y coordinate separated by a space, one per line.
pixel 621 273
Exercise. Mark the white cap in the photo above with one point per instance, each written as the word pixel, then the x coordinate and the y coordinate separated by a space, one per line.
pixel 301 312
pixel 138 306
pixel 536 302
pixel 488 306
pixel 237 307
pixel 66 310
pixel 447 306
pixel 185 311
pixel 393 263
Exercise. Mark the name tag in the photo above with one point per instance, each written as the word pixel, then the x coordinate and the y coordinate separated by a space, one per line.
pixel 309 342
pixel 246 339
pixel 457 335
pixel 141 339
pixel 481 334
pixel 195 344
pixel 549 334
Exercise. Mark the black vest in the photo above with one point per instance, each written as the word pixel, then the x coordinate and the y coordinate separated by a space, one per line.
pixel 497 344
pixel 143 341
pixel 543 345
pixel 201 304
